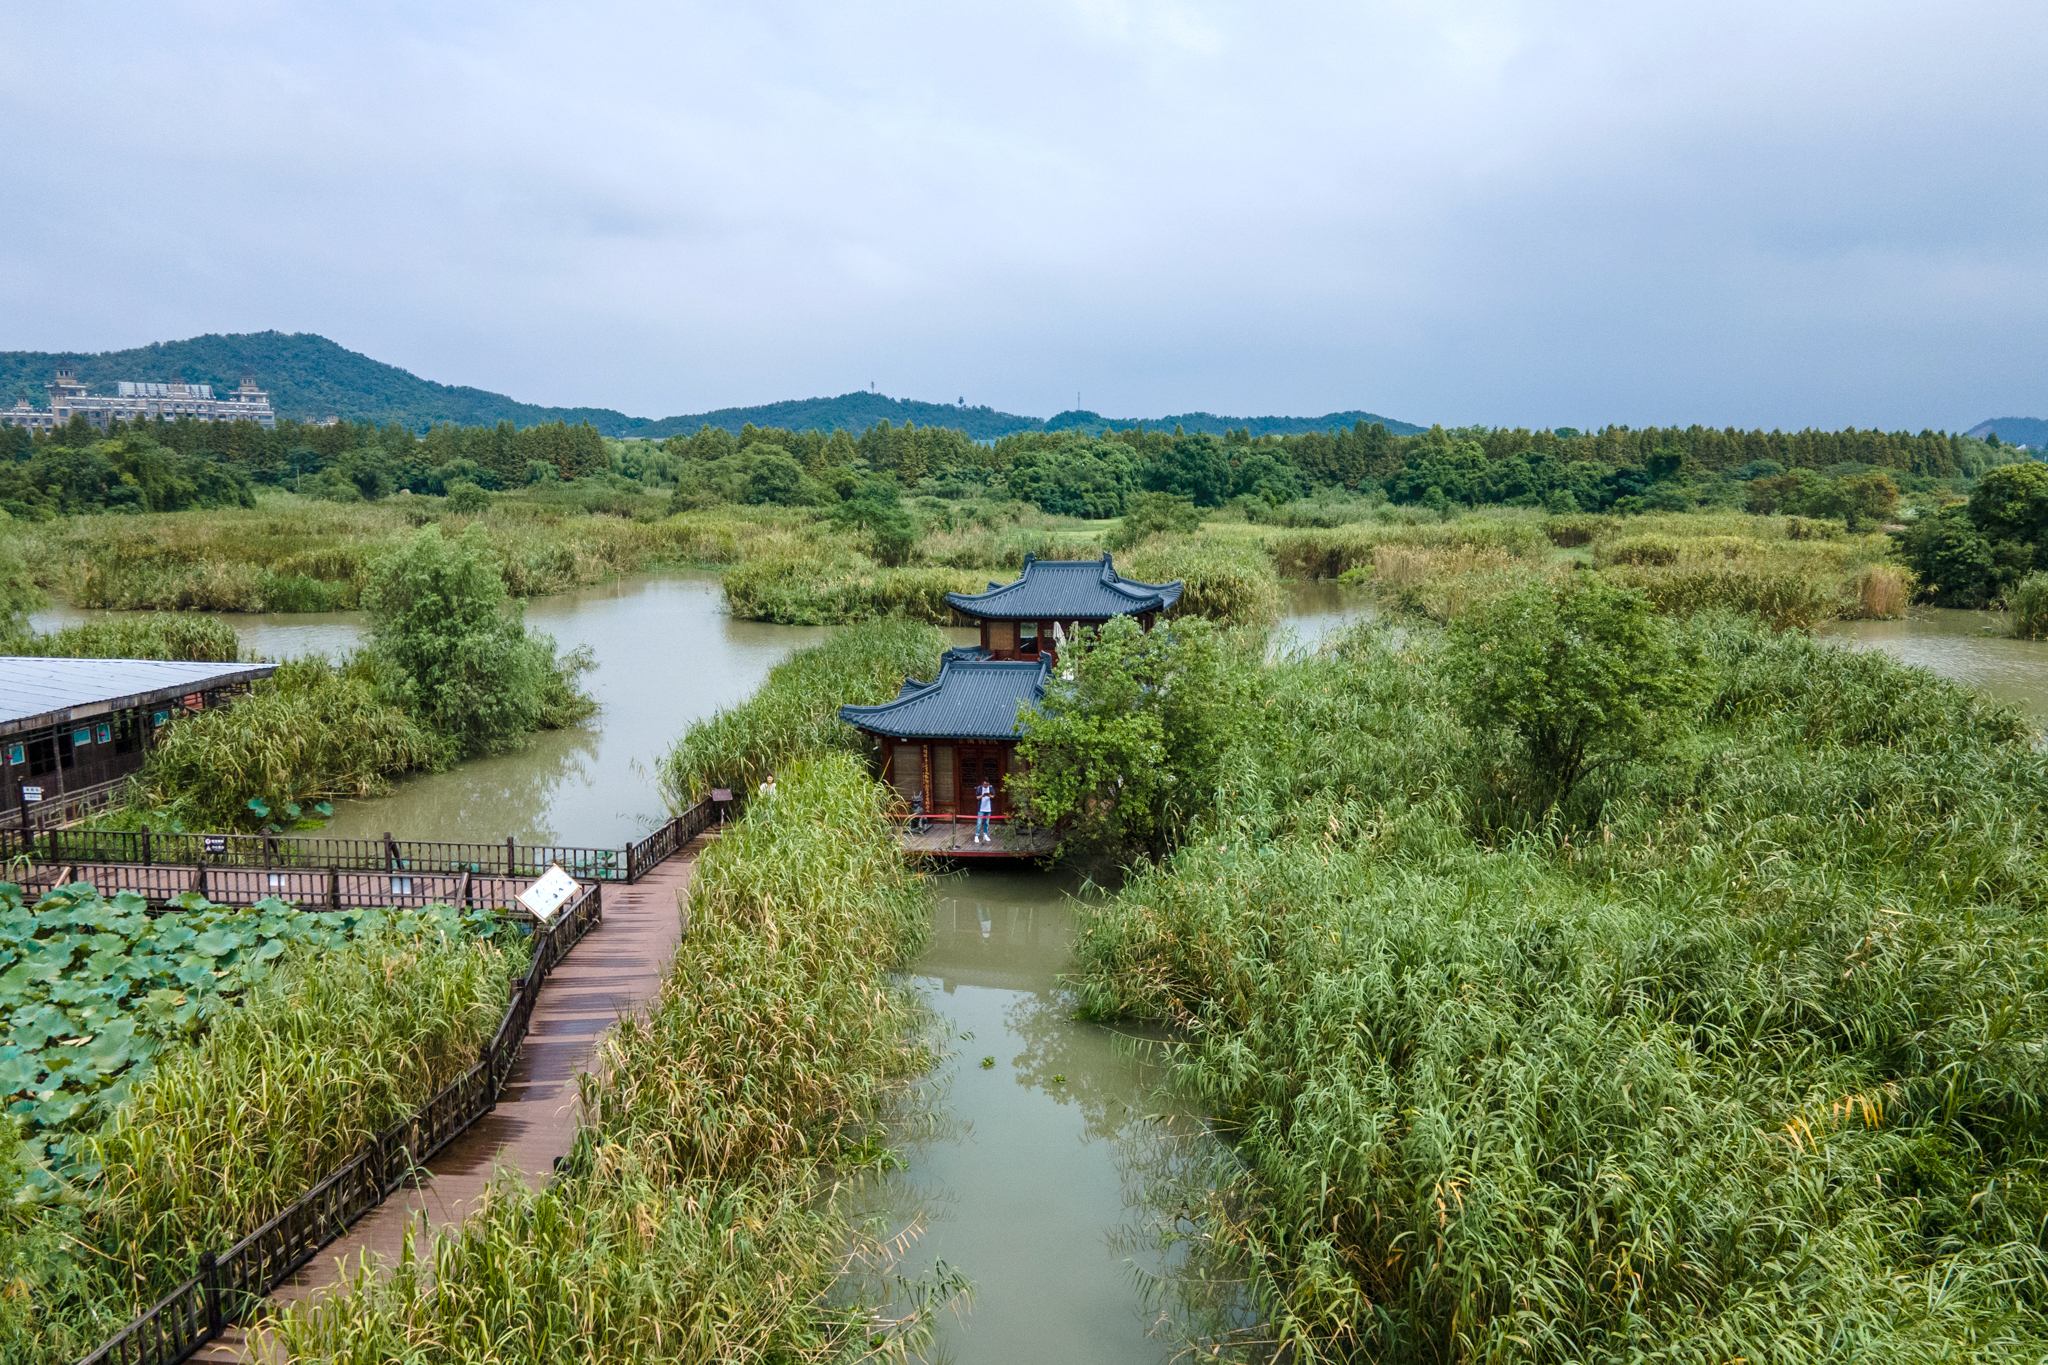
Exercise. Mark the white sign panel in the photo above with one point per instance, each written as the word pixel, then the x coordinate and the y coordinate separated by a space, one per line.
pixel 31 793
pixel 547 896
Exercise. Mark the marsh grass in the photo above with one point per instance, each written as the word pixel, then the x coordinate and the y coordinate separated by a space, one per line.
pixel 296 554
pixel 1226 583
pixel 157 635
pixel 832 587
pixel 795 713
pixel 696 1220
pixel 1739 1058
pixel 2030 608
pixel 314 731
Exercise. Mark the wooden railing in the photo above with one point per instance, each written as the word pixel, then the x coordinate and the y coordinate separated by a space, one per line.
pixel 229 1284
pixel 317 855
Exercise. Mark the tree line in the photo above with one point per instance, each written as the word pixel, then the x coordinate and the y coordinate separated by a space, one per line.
pixel 1070 473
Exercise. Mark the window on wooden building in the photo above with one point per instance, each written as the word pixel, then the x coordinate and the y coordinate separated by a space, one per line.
pixel 942 774
pixel 907 772
pixel 1002 636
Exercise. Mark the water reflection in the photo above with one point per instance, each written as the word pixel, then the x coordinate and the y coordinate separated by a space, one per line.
pixel 667 654
pixel 1318 608
pixel 1031 1188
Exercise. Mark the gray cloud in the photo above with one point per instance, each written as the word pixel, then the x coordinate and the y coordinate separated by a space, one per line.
pixel 1501 212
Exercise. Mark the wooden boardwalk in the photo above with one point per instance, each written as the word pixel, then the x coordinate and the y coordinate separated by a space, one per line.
pixel 617 970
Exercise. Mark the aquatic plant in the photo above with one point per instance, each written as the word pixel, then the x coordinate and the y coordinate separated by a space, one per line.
pixel 220 1063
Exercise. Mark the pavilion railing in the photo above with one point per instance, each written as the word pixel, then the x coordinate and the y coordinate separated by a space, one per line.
pixel 231 1282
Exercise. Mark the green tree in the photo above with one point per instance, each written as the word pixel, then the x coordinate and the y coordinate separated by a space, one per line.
pixel 1578 676
pixel 440 612
pixel 1128 743
pixel 1154 514
pixel 2010 502
pixel 876 509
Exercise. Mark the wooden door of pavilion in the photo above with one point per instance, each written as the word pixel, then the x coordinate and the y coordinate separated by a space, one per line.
pixel 980 763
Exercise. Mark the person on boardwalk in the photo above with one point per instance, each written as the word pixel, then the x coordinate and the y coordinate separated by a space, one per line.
pixel 985 802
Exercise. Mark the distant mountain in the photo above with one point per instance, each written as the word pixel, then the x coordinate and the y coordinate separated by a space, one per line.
pixel 310 378
pixel 2031 432
pixel 1080 419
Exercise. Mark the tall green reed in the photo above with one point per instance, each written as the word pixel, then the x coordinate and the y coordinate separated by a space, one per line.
pixel 695 1221
pixel 1739 1058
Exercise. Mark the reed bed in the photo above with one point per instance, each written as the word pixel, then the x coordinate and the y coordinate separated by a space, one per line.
pixel 695 1220
pixel 1229 584
pixel 1738 1059
pixel 158 635
pixel 313 731
pixel 2030 608
pixel 795 713
pixel 228 1130
pixel 294 554
pixel 842 587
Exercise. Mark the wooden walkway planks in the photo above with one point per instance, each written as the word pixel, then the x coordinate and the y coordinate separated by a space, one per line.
pixel 616 970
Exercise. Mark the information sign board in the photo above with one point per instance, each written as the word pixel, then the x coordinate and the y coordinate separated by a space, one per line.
pixel 721 793
pixel 215 843
pixel 31 793
pixel 547 896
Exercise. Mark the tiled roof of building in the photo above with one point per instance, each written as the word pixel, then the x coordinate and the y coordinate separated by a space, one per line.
pixel 970 699
pixel 1066 590
pixel 37 692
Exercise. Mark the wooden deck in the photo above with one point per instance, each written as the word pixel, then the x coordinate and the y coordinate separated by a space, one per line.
pixel 616 971
pixel 955 839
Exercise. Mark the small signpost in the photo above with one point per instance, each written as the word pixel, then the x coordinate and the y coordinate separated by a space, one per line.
pixel 31 793
pixel 547 896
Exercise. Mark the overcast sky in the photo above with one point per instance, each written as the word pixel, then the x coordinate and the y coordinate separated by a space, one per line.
pixel 1775 214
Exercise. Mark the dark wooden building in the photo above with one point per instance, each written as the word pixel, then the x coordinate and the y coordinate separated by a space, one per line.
pixel 72 730
pixel 1028 618
pixel 938 741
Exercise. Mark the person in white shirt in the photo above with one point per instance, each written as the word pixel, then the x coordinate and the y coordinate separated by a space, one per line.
pixel 768 785
pixel 986 801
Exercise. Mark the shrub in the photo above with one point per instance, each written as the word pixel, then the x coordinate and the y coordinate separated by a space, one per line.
pixel 467 499
pixel 1154 514
pixel 470 671
pixel 1582 675
pixel 2030 608
pixel 1130 747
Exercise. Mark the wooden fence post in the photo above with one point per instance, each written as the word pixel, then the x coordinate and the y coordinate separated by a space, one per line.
pixel 145 845
pixel 511 868
pixel 209 1281
pixel 334 887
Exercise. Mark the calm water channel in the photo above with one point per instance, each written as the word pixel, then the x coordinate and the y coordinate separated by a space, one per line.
pixel 1030 1184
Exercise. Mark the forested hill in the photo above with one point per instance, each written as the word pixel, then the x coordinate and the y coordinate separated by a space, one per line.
pixel 310 378
pixel 2031 432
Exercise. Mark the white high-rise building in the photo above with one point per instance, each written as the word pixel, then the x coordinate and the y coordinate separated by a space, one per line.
pixel 140 402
